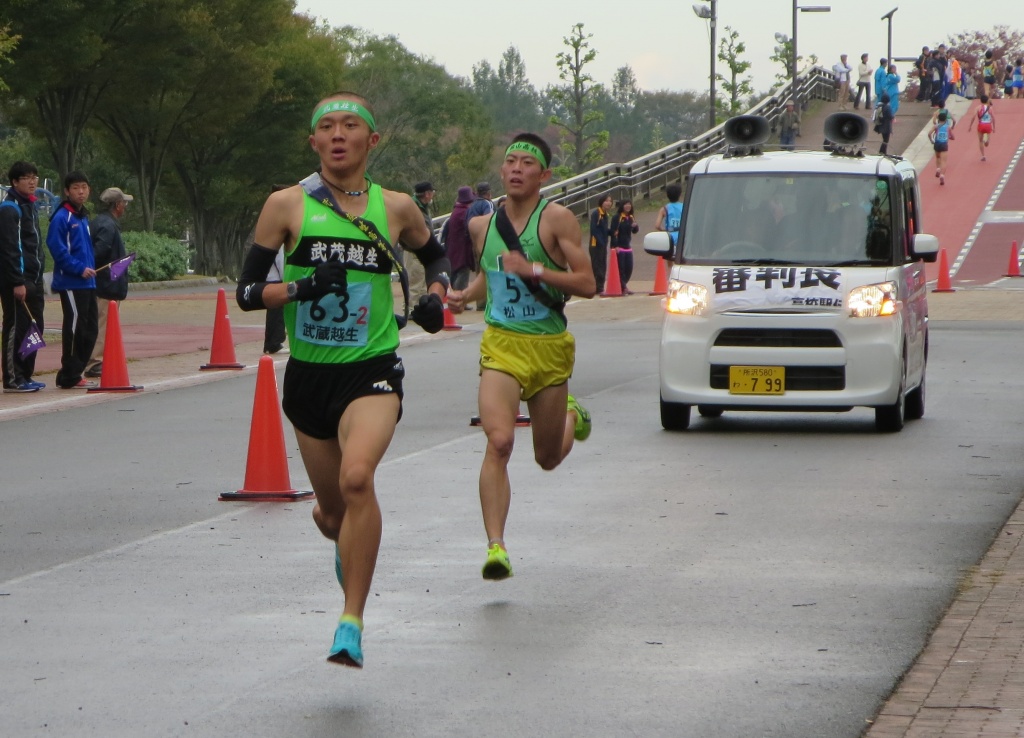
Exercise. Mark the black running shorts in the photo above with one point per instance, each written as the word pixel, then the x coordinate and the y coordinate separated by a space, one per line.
pixel 316 395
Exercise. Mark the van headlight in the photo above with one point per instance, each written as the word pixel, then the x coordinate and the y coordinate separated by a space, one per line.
pixel 686 298
pixel 873 300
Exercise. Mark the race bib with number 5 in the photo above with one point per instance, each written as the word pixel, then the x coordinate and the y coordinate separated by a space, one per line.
pixel 511 299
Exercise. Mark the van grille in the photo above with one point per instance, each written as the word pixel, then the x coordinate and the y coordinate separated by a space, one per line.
pixel 779 337
pixel 798 378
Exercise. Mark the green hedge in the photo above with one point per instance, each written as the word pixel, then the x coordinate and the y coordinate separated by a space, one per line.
pixel 158 258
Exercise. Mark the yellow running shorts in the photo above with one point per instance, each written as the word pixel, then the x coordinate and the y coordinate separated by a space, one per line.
pixel 535 361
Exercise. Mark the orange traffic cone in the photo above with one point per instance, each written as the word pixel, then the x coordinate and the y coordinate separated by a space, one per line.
pixel 660 279
pixel 266 471
pixel 115 367
pixel 1014 269
pixel 613 283
pixel 449 320
pixel 222 351
pixel 943 284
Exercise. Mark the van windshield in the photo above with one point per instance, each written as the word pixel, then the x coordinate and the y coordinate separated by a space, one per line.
pixel 820 219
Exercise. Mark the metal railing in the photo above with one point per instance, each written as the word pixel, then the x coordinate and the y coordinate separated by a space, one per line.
pixel 649 174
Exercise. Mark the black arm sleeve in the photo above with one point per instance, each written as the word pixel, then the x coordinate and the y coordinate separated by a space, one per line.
pixel 436 266
pixel 249 293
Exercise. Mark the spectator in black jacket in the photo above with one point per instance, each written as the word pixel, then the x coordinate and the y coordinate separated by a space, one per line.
pixel 924 77
pixel 600 231
pixel 107 247
pixel 937 74
pixel 22 263
pixel 624 225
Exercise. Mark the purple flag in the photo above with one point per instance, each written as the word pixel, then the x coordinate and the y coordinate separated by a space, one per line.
pixel 119 267
pixel 32 343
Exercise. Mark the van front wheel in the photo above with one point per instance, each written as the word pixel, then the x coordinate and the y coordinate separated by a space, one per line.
pixel 890 418
pixel 675 416
pixel 915 401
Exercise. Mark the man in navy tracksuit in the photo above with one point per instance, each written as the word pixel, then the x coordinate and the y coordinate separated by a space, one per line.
pixel 22 262
pixel 74 278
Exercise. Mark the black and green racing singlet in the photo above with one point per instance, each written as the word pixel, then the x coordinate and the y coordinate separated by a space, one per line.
pixel 339 329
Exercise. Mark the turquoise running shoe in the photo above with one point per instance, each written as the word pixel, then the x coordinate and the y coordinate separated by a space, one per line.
pixel 582 430
pixel 497 566
pixel 348 645
pixel 337 567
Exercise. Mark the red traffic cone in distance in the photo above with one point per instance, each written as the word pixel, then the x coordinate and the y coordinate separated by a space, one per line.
pixel 266 467
pixel 660 278
pixel 222 348
pixel 613 282
pixel 449 320
pixel 943 284
pixel 114 376
pixel 1013 270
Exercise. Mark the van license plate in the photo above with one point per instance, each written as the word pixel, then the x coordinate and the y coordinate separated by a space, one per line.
pixel 757 380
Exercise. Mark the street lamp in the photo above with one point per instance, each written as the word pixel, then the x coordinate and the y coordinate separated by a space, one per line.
pixel 802 9
pixel 710 14
pixel 888 48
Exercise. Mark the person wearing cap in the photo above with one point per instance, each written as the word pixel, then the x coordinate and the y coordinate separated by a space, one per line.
pixel 457 243
pixel 343 384
pixel 789 127
pixel 481 206
pixel 107 247
pixel 423 196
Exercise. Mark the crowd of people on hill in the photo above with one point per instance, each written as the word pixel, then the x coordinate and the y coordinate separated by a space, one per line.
pixel 939 73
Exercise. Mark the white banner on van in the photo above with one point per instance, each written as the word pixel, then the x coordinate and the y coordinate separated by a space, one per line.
pixel 747 288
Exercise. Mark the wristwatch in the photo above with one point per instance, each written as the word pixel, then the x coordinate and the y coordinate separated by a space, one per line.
pixel 293 292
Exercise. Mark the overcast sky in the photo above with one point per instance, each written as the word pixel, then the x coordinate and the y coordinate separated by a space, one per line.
pixel 664 42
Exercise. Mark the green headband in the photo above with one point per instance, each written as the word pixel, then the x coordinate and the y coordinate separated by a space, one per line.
pixel 530 149
pixel 343 106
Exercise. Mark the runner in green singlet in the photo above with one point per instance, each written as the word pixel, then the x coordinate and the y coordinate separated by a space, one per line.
pixel 526 353
pixel 343 383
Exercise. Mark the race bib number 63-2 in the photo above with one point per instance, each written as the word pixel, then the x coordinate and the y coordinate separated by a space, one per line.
pixel 336 320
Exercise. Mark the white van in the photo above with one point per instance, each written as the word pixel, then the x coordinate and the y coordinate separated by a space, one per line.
pixel 798 282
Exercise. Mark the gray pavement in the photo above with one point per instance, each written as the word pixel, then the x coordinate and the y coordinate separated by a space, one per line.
pixel 753 578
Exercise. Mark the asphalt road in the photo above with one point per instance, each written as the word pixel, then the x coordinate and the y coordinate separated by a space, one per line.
pixel 757 575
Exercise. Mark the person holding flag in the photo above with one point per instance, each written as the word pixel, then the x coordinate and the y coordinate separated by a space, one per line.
pixel 111 283
pixel 74 279
pixel 22 263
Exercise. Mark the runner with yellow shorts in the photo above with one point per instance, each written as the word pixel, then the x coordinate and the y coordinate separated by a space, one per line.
pixel 530 259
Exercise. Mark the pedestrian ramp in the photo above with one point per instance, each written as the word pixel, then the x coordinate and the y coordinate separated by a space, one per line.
pixel 978 214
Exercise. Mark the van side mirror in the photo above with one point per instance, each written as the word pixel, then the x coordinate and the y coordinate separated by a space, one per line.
pixel 658 243
pixel 925 248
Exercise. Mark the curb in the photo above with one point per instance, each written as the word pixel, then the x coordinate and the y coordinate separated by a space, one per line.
pixel 168 284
